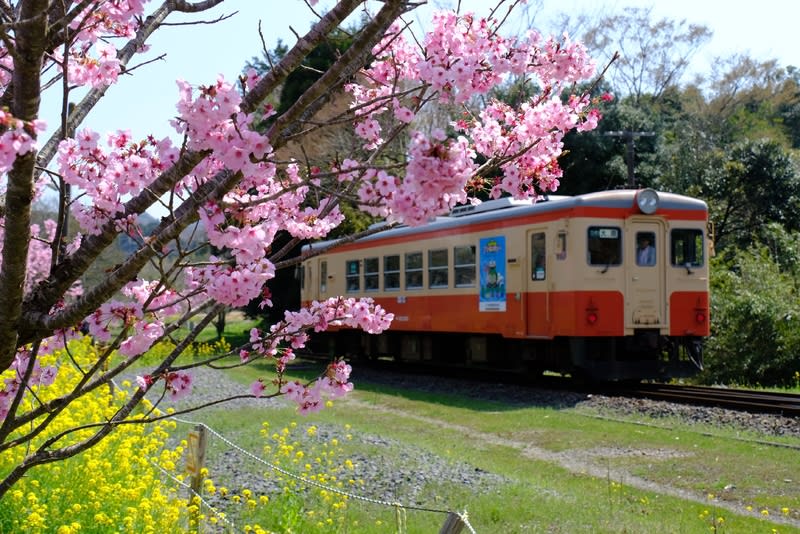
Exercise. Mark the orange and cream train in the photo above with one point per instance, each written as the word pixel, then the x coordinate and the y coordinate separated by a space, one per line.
pixel 610 286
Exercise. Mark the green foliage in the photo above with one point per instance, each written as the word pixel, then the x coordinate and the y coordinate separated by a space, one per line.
pixel 755 336
pixel 750 185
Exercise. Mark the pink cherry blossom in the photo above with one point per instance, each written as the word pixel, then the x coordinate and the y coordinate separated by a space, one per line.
pixel 257 388
pixel 178 384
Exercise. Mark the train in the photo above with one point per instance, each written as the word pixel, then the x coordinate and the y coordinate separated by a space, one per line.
pixel 610 285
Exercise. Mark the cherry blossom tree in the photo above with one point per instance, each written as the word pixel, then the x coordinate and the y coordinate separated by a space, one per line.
pixel 221 172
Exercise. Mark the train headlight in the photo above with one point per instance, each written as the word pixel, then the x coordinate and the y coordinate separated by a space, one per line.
pixel 647 200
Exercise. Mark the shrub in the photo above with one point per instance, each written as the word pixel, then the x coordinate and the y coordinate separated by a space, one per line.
pixel 755 335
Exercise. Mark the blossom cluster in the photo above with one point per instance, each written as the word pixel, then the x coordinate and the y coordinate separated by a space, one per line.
pixel 17 138
pixel 39 255
pixel 92 60
pixel 292 331
pixel 106 176
pixel 311 398
pixel 460 57
pixel 40 376
pixel 144 315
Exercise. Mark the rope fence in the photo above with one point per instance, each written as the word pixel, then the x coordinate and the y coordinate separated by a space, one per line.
pixel 455 522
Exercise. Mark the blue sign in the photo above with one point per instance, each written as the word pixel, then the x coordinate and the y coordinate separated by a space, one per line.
pixel 492 274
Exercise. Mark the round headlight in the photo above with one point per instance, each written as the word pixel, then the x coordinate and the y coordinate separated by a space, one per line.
pixel 647 200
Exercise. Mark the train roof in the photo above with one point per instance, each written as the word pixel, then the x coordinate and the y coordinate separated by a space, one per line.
pixel 504 208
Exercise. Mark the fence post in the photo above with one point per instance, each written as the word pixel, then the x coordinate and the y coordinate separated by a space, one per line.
pixel 452 525
pixel 195 461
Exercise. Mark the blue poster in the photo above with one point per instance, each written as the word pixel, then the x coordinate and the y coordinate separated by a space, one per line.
pixel 493 274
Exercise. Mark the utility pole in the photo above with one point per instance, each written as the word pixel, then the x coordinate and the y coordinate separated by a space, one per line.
pixel 629 140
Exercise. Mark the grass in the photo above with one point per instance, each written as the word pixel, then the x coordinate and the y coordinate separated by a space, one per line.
pixel 237 330
pixel 561 470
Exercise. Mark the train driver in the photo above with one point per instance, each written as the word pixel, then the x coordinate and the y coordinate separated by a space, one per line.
pixel 646 254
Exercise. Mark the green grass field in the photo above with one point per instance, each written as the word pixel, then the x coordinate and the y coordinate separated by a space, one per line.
pixel 555 470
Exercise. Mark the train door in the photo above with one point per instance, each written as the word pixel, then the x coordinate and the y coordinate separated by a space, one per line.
pixel 646 260
pixel 537 302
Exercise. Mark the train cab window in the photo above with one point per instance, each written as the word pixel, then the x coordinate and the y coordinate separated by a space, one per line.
pixel 538 256
pixel 464 266
pixel 645 249
pixel 413 270
pixel 437 268
pixel 371 275
pixel 687 247
pixel 391 272
pixel 323 277
pixel 353 276
pixel 604 245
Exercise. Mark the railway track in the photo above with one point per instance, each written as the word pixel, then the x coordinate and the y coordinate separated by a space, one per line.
pixel 754 401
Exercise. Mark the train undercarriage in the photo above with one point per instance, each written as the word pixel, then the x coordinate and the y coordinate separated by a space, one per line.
pixel 646 355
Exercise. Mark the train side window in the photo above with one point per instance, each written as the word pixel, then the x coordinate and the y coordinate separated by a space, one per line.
pixel 437 268
pixel 391 272
pixel 561 246
pixel 687 247
pixel 604 245
pixel 413 270
pixel 353 276
pixel 323 277
pixel 464 266
pixel 538 256
pixel 371 276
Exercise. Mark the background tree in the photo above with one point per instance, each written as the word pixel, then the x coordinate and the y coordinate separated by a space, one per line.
pixel 654 54
pixel 752 185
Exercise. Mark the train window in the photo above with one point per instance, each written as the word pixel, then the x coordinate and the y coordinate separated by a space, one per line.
pixel 538 256
pixel 464 266
pixel 371 279
pixel 645 249
pixel 687 247
pixel 413 270
pixel 391 272
pixel 437 268
pixel 353 276
pixel 604 245
pixel 561 246
pixel 323 276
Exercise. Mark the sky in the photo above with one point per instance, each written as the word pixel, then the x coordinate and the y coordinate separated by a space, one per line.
pixel 145 100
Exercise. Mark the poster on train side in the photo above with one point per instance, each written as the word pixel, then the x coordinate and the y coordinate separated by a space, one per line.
pixel 492 264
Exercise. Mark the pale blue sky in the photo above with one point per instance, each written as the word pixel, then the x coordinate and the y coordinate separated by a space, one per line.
pixel 144 101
